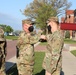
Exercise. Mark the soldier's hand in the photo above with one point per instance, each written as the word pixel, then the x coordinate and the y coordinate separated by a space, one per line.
pixel 40 31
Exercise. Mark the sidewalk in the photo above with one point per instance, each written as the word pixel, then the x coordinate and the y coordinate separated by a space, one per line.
pixel 68 62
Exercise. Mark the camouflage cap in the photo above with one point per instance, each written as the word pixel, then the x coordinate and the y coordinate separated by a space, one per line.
pixel 2 35
pixel 28 21
pixel 55 19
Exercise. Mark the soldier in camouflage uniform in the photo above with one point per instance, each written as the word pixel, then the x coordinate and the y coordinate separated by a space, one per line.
pixel 52 62
pixel 25 45
pixel 2 52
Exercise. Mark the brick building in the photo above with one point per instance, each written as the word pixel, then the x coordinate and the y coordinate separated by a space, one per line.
pixel 70 17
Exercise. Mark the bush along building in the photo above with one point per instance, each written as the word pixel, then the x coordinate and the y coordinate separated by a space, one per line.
pixel 68 24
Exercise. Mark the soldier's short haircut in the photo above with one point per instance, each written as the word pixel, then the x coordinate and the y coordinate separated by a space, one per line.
pixel 55 19
pixel 27 21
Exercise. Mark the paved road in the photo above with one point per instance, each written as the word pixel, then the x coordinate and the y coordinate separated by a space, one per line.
pixel 11 49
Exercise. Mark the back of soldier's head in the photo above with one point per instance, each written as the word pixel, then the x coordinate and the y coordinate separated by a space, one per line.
pixel 27 21
pixel 54 19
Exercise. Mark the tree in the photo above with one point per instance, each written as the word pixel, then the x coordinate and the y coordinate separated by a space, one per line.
pixel 67 34
pixel 41 10
pixel 8 29
pixel 43 15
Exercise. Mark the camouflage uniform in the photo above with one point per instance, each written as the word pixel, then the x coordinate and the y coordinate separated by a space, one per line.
pixel 53 57
pixel 25 45
pixel 2 52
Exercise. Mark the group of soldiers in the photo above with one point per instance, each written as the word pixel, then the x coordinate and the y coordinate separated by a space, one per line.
pixel 52 62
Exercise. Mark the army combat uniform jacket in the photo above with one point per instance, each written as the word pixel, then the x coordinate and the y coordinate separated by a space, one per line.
pixel 26 53
pixel 53 56
pixel 2 52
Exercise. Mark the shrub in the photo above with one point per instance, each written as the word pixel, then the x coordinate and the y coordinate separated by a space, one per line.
pixel 67 34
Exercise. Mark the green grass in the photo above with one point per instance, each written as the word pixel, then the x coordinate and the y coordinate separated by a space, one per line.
pixel 11 37
pixel 73 52
pixel 38 70
pixel 69 41
pixel 39 56
pixel 43 43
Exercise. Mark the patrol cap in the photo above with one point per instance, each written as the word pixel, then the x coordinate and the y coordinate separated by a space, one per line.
pixel 2 35
pixel 28 21
pixel 55 19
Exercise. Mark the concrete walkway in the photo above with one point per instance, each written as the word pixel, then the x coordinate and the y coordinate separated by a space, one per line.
pixel 68 63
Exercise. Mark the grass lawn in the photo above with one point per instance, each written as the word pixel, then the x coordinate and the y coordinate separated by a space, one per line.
pixel 38 70
pixel 11 37
pixel 43 43
pixel 73 52
pixel 69 41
